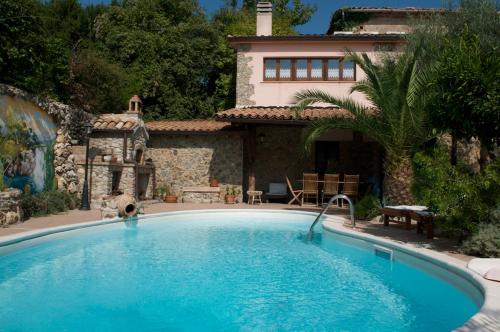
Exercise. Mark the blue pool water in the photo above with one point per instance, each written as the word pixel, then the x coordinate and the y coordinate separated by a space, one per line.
pixel 218 272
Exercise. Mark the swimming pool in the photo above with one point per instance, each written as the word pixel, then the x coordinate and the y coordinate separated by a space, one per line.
pixel 219 271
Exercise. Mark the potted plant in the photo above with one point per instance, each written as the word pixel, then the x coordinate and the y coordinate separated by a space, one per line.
pixel 231 193
pixel 214 182
pixel 170 197
pixel 160 192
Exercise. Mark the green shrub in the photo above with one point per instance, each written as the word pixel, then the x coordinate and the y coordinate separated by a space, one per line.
pixel 462 200
pixel 485 242
pixel 46 203
pixel 367 207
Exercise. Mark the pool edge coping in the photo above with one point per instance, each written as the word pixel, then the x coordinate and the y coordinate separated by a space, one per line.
pixel 484 320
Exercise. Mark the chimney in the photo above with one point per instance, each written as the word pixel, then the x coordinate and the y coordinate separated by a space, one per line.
pixel 264 18
pixel 134 107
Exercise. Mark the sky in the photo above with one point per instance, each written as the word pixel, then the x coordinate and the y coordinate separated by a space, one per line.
pixel 321 19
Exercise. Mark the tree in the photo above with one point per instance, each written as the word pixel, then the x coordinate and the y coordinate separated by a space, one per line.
pixel 22 50
pixel 396 87
pixel 462 47
pixel 97 85
pixel 167 48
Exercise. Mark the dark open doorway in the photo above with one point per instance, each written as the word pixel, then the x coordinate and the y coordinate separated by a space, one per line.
pixel 327 157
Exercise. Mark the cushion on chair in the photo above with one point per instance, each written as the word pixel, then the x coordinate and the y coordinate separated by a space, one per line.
pixel 277 189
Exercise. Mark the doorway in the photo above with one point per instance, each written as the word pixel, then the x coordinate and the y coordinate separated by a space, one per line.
pixel 327 157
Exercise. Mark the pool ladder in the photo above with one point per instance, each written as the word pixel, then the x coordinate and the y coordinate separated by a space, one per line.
pixel 310 235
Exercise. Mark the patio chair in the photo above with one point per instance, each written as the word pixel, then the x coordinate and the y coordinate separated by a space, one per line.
pixel 296 193
pixel 309 186
pixel 276 191
pixel 351 183
pixel 331 187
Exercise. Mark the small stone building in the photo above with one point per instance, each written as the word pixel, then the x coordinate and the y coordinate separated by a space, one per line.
pixel 117 162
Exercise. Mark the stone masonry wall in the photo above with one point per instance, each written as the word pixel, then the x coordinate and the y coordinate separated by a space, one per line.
pixel 10 207
pixel 191 161
pixel 279 155
pixel 244 90
pixel 108 143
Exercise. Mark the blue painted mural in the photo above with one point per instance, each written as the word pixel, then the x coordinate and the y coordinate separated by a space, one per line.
pixel 26 145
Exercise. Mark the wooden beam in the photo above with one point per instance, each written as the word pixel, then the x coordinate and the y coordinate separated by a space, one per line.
pixel 251 150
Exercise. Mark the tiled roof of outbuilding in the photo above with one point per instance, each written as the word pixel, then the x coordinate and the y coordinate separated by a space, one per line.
pixel 116 122
pixel 187 126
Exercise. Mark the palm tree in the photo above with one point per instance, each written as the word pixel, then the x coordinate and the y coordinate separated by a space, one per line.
pixel 396 88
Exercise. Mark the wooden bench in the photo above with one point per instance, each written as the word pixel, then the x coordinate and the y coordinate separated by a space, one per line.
pixel 425 219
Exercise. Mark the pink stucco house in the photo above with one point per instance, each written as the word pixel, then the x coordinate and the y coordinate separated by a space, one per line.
pixel 260 140
pixel 272 69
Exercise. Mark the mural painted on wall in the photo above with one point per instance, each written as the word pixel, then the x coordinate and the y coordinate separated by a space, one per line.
pixel 26 145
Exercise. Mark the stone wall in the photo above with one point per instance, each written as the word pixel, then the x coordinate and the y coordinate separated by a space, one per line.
pixel 244 89
pixel 192 160
pixel 280 154
pixel 10 210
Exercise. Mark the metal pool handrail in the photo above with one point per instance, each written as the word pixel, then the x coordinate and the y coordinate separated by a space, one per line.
pixel 310 235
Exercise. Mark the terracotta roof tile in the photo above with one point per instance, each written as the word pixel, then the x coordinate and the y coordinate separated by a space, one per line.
pixel 116 122
pixel 187 126
pixel 280 113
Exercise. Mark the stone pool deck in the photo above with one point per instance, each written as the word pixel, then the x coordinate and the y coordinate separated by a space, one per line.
pixel 394 232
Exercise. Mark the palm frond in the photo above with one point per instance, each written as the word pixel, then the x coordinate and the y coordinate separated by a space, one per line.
pixel 396 87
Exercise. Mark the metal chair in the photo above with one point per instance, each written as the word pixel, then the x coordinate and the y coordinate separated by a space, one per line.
pixel 331 186
pixel 309 186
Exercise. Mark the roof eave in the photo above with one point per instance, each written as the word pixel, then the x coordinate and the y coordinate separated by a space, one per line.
pixel 195 132
pixel 236 40
pixel 267 121
pixel 130 130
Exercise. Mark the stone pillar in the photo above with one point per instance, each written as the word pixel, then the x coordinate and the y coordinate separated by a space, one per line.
pixel 251 142
pixel 10 207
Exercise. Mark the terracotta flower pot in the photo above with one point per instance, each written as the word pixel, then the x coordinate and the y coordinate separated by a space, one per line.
pixel 230 199
pixel 214 183
pixel 170 199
